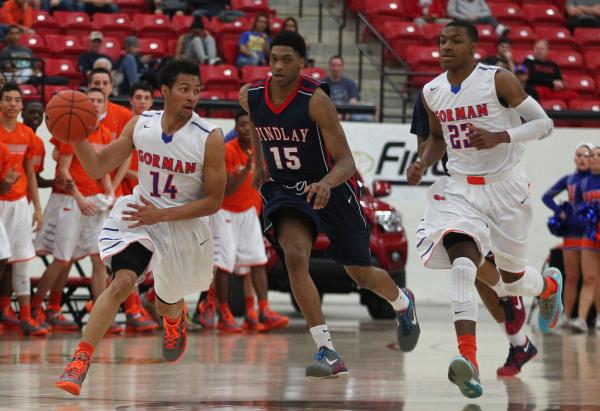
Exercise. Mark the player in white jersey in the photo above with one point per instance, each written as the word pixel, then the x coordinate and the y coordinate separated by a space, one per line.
pixel 474 114
pixel 163 226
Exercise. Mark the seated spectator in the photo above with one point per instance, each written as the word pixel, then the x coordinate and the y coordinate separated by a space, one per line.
pixel 61 5
pixel 523 75
pixel 2 79
pixel 477 12
pixel 16 13
pixel 291 24
pixel 426 11
pixel 198 45
pixel 503 57
pixel 583 13
pixel 170 7
pixel 104 63
pixel 545 76
pixel 134 68
pixel 98 6
pixel 253 47
pixel 210 8
pixel 342 89
pixel 16 70
pixel 86 60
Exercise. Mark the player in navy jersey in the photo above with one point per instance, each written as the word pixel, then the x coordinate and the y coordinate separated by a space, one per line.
pixel 571 248
pixel 508 311
pixel 309 187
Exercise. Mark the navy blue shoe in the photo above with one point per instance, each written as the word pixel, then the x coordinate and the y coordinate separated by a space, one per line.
pixel 408 325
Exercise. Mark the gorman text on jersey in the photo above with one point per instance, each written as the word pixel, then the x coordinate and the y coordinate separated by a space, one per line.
pixel 166 163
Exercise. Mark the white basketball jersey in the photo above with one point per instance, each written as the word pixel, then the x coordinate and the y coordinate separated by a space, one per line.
pixel 474 102
pixel 170 167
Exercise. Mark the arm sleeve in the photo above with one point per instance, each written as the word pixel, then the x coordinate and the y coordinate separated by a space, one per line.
pixel 538 125
pixel 557 188
pixel 420 119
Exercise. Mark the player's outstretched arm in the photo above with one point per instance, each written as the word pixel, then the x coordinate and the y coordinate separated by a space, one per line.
pixel 260 172
pixel 96 165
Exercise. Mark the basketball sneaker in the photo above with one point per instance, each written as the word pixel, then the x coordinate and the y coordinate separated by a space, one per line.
pixel 514 313
pixel 408 325
pixel 9 318
pixel 551 308
pixel 174 338
pixel 39 316
pixel 206 314
pixel 115 328
pixel 466 376
pixel 150 308
pixel 251 322
pixel 29 326
pixel 272 319
pixel 517 358
pixel 74 373
pixel 578 326
pixel 140 321
pixel 227 322
pixel 59 322
pixel 328 364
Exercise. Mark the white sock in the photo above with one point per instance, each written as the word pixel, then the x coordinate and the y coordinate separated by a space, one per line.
pixel 400 303
pixel 530 284
pixel 499 289
pixel 320 334
pixel 518 339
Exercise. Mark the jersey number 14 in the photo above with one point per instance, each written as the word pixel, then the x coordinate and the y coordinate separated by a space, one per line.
pixel 169 188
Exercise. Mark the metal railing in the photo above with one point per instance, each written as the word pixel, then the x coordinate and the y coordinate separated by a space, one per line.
pixel 340 21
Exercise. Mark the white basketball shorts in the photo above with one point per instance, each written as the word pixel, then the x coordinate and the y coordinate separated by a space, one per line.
pixel 4 244
pixel 16 216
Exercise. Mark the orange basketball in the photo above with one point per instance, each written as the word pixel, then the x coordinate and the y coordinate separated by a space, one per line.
pixel 71 116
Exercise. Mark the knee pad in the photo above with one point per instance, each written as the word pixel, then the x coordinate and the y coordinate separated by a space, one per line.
pixel 530 284
pixel 462 280
pixel 20 278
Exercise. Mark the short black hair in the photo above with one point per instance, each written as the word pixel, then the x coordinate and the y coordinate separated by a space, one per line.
pixel 169 72
pixel 31 103
pixel 503 40
pixel 240 113
pixel 468 26
pixel 10 87
pixel 94 90
pixel 141 85
pixel 99 70
pixel 290 39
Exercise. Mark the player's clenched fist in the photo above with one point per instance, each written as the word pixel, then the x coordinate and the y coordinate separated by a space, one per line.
pixel 415 172
pixel 318 194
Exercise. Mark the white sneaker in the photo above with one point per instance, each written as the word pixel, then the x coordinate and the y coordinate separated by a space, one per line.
pixel 578 325
pixel 502 30
pixel 214 61
pixel 597 326
pixel 564 321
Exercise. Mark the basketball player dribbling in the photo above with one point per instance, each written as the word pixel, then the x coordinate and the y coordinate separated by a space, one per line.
pixel 311 187
pixel 475 114
pixel 163 226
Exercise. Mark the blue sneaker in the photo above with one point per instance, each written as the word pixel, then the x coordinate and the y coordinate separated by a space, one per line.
pixel 551 309
pixel 466 376
pixel 328 364
pixel 408 325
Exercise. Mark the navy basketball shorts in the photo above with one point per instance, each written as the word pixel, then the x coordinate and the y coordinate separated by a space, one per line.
pixel 341 220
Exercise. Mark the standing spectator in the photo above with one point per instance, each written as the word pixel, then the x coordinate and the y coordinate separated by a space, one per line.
pixel 134 67
pixel 503 57
pixel 583 13
pixel 426 11
pixel 17 13
pixel 98 6
pixel 477 12
pixel 85 62
pixel 198 45
pixel 15 69
pixel 253 46
pixel 544 75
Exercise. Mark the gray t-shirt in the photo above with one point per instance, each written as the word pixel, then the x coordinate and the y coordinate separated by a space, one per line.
pixel 14 52
pixel 342 91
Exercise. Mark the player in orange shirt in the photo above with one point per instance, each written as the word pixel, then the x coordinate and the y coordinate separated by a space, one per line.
pixel 14 208
pixel 238 238
pixel 33 115
pixel 18 13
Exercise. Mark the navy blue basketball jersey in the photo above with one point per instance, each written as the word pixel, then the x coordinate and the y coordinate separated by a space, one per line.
pixel 291 141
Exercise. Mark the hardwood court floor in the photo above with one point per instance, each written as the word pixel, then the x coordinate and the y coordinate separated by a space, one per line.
pixel 266 371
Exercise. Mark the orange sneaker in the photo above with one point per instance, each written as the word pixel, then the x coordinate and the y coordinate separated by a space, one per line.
pixel 141 321
pixel 29 326
pixel 9 318
pixel 39 316
pixel 115 328
pixel 59 322
pixel 227 321
pixel 74 373
pixel 206 314
pixel 272 319
pixel 251 322
pixel 174 338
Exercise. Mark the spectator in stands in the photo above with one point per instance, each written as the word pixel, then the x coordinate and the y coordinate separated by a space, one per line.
pixel 253 47
pixel 503 57
pixel 16 13
pixel 2 79
pixel 583 13
pixel 61 5
pixel 103 63
pixel 291 24
pixel 99 6
pixel 477 12
pixel 211 8
pixel 15 69
pixel 85 62
pixel 426 11
pixel 134 67
pixel 170 7
pixel 198 45
pixel 545 76
pixel 523 75
pixel 343 90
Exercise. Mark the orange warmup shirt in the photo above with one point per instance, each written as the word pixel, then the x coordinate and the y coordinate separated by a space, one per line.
pixel 86 185
pixel 39 152
pixel 4 161
pixel 116 118
pixel 246 196
pixel 20 144
pixel 14 14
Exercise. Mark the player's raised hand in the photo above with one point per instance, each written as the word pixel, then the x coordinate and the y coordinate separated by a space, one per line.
pixel 415 172
pixel 482 139
pixel 318 194
pixel 11 175
pixel 143 214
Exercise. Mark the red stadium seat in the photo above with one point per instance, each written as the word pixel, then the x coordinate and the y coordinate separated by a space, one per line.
pixel 587 37
pixel 553 105
pixel 233 96
pixel 61 45
pixel 182 24
pixel 172 46
pixel 30 92
pixel 522 35
pixel 381 11
pixel 212 95
pixel 507 13
pixel 155 47
pixel 44 24
pixel 485 50
pixel 585 104
pixel 114 25
pixel 49 91
pixel 558 37
pixel 229 30
pixel 520 54
pixel 63 68
pixel 357 6
pixel 592 61
pixel 547 14
pixel 111 46
pixel 315 72
pixel 424 58
pixel 487 34
pixel 132 7
pixel 74 23
pixel 403 31
pixel 36 43
pixel 581 84
pixel 152 26
pixel 568 61
pixel 431 32
pixel 253 73
pixel 251 6
pixel 276 24
pixel 220 78
pixel 228 50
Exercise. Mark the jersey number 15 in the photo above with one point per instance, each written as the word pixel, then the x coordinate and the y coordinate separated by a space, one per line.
pixel 290 156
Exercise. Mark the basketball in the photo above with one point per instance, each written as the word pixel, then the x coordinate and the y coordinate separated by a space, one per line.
pixel 71 116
